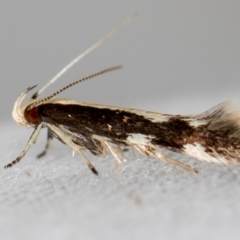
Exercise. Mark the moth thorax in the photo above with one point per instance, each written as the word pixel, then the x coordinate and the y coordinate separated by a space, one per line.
pixel 32 115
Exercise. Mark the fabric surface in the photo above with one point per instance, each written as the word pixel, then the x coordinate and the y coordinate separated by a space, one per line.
pixel 57 197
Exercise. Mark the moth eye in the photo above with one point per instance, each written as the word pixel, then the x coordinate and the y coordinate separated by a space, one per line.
pixel 32 116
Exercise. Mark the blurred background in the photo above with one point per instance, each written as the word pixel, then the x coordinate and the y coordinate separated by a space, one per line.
pixel 178 57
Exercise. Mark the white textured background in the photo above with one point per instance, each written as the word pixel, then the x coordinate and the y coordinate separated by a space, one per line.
pixel 179 57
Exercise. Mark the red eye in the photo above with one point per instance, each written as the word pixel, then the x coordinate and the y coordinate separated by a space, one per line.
pixel 32 116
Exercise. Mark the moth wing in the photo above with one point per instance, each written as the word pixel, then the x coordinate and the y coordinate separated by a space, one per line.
pixel 224 117
pixel 222 110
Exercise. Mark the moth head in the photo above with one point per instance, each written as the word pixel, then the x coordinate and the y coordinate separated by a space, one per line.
pixel 22 114
pixel 28 115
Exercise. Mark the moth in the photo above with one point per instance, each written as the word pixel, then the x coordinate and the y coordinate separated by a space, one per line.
pixel 212 136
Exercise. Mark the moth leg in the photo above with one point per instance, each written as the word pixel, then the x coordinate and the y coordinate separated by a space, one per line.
pixel 73 153
pixel 121 153
pixel 31 141
pixel 160 156
pixel 49 139
pixel 113 152
pixel 102 146
pixel 132 150
pixel 142 151
pixel 91 167
pixel 117 149
pixel 66 138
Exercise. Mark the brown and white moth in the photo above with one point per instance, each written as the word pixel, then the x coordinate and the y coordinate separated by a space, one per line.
pixel 213 136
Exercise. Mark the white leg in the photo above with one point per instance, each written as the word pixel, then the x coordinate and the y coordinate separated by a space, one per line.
pixel 92 168
pixel 113 152
pixel 67 139
pixel 119 149
pixel 142 151
pixel 132 150
pixel 160 156
pixel 31 141
pixel 49 139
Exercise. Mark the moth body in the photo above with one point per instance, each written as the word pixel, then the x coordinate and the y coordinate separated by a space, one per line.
pixel 213 136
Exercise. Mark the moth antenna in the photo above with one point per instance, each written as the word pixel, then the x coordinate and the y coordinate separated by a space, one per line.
pixel 86 52
pixel 37 103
